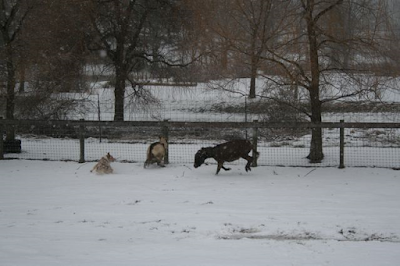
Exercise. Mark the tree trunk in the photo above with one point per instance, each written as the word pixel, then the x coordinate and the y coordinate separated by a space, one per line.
pixel 10 106
pixel 316 154
pixel 254 64
pixel 253 69
pixel 119 94
pixel 21 88
pixel 253 77
pixel 224 57
pixel 10 93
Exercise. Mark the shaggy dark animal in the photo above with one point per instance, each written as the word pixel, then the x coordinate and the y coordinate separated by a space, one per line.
pixel 226 152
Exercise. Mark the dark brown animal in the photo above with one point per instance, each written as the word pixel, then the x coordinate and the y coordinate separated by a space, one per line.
pixel 226 152
pixel 156 153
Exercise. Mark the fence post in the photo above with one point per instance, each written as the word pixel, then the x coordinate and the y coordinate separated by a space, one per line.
pixel 165 134
pixel 99 115
pixel 255 140
pixel 1 139
pixel 82 142
pixel 245 112
pixel 341 164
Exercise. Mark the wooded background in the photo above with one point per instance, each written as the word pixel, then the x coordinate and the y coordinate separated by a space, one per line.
pixel 47 46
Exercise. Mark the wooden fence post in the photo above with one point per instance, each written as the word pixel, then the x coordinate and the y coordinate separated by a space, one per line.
pixel 165 134
pixel 82 142
pixel 1 140
pixel 341 164
pixel 255 140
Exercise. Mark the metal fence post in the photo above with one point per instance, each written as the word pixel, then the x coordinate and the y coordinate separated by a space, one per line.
pixel 255 140
pixel 341 164
pixel 82 142
pixel 165 134
pixel 1 139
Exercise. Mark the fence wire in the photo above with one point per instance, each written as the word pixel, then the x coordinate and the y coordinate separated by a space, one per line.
pixel 374 147
pixel 278 145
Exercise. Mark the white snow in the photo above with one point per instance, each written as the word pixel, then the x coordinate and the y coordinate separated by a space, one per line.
pixel 197 103
pixel 58 213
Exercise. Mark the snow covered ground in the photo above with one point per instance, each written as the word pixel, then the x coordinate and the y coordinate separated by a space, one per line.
pixel 197 103
pixel 58 213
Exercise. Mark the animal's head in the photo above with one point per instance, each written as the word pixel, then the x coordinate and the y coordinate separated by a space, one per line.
pixel 110 157
pixel 163 140
pixel 200 157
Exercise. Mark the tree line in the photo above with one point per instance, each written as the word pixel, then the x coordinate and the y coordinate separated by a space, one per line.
pixel 294 44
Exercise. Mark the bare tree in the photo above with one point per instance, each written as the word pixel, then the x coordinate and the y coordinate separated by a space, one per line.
pixel 57 49
pixel 319 49
pixel 125 30
pixel 255 23
pixel 49 55
pixel 242 30
pixel 12 17
pixel 328 48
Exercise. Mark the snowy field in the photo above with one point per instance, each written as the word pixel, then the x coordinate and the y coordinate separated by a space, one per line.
pixel 198 103
pixel 58 213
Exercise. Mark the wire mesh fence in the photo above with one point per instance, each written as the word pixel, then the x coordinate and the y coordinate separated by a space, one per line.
pixel 377 146
pixel 279 144
pixel 198 103
pixel 238 109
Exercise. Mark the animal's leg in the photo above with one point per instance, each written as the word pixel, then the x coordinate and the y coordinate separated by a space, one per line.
pixel 220 165
pixel 160 163
pixel 148 162
pixel 160 160
pixel 94 168
pixel 249 161
pixel 226 169
pixel 108 170
pixel 151 159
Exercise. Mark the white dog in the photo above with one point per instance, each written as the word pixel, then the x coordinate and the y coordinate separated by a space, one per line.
pixel 103 166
